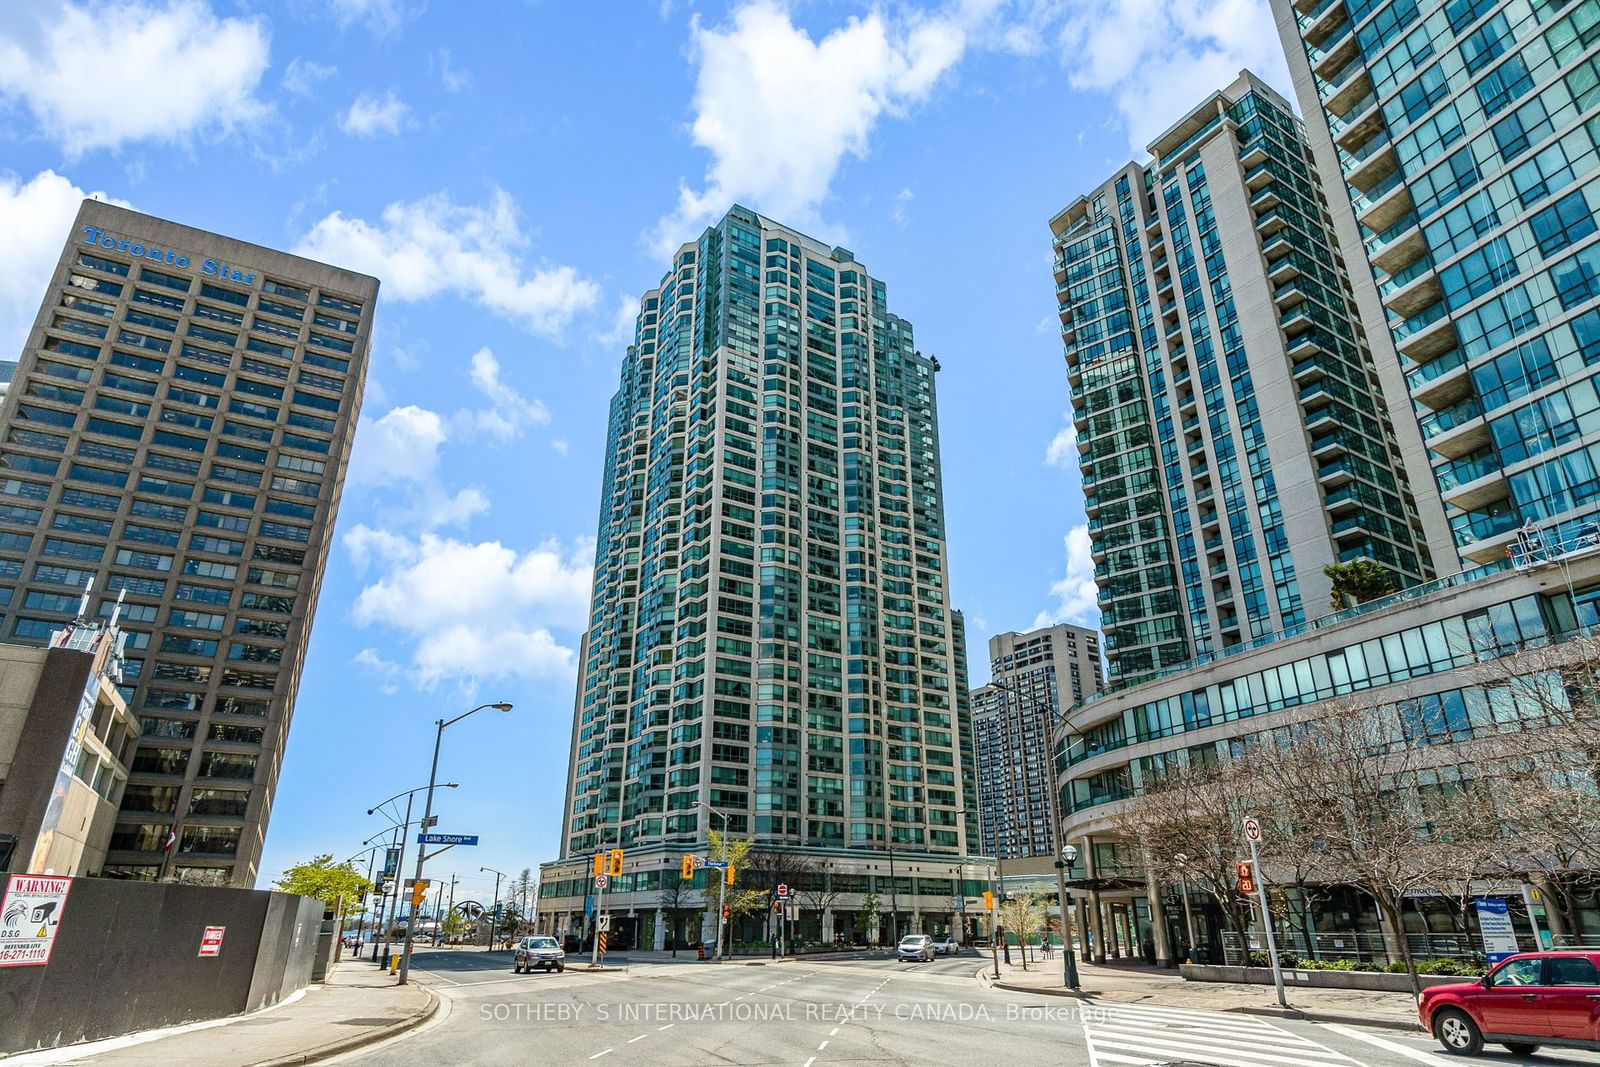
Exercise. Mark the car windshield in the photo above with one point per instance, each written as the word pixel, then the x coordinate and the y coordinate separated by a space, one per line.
pixel 541 942
pixel 914 939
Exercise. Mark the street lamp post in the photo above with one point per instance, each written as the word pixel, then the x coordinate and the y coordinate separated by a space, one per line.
pixel 427 812
pixel 494 918
pixel 722 890
pixel 1059 852
pixel 400 862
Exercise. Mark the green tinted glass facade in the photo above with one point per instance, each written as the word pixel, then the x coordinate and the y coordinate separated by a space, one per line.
pixel 771 632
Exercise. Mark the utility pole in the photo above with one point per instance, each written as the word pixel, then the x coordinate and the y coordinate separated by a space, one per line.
pixel 494 917
pixel 894 895
pixel 452 908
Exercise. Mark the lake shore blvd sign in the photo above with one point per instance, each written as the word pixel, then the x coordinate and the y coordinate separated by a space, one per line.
pixel 447 839
pixel 30 915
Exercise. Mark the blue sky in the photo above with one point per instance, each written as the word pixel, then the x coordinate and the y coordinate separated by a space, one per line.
pixel 516 173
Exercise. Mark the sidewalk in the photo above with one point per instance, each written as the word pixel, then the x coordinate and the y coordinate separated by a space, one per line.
pixel 357 1005
pixel 1127 983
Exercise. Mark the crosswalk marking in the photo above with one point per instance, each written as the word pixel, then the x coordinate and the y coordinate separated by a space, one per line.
pixel 1139 1036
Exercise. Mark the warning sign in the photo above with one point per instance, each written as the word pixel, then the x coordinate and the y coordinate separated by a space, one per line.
pixel 30 914
pixel 211 941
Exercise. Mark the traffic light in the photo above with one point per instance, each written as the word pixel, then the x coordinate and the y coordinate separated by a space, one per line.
pixel 687 870
pixel 616 862
pixel 730 875
pixel 1247 876
pixel 777 903
pixel 988 900
pixel 724 911
pixel 599 864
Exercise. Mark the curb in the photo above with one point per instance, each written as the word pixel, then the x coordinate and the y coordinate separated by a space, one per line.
pixel 1301 1014
pixel 370 1037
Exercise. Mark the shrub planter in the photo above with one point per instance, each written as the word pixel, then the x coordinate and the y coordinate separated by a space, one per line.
pixel 1380 981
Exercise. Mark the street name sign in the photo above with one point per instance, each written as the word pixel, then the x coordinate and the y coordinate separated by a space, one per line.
pixel 447 839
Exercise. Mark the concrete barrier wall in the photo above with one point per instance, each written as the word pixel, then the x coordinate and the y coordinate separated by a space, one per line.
pixel 127 958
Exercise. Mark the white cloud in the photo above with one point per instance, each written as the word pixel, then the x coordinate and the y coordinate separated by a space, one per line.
pixel 401 446
pixel 452 79
pixel 302 76
pixel 1158 57
pixel 474 610
pixel 426 247
pixel 180 69
pixel 371 115
pixel 901 199
pixel 560 446
pixel 509 412
pixel 1063 448
pixel 624 324
pixel 379 16
pixel 34 217
pixel 779 111
pixel 1076 594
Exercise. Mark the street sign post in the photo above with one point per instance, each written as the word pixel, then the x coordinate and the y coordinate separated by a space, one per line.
pixel 1252 834
pixel 447 839
pixel 601 881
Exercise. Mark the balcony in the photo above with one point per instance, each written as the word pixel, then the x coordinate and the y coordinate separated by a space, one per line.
pixel 1456 430
pixel 1336 472
pixel 1266 196
pixel 1440 382
pixel 1351 526
pixel 1472 482
pixel 1326 446
pixel 1426 334
pixel 1254 153
pixel 1365 149
pixel 1319 29
pixel 1288 294
pixel 1271 221
pixel 1398 246
pixel 1334 51
pixel 1412 289
pixel 1257 176
pixel 1385 203
pixel 1307 370
pixel 1283 268
pixel 1342 91
pixel 1357 123
pixel 1343 501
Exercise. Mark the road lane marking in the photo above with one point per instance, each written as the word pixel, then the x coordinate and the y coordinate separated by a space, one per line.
pixel 1388 1046
pixel 669 1026
pixel 604 1052
pixel 834 1032
pixel 823 1045
pixel 811 1061
pixel 641 1037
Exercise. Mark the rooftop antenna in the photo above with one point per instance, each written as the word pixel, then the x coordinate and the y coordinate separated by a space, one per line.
pixel 83 604
pixel 116 612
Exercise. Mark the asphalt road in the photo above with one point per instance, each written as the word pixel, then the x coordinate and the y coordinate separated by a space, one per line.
pixel 812 1013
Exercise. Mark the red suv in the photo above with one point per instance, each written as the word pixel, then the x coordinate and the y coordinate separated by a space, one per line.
pixel 1537 998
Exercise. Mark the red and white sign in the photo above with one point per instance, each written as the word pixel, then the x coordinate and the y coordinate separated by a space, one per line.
pixel 30 915
pixel 783 891
pixel 1252 828
pixel 211 941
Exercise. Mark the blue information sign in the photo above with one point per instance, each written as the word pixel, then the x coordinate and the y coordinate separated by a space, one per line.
pixel 447 839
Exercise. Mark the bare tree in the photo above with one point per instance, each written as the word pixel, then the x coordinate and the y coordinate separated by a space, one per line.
pixel 1190 816
pixel 678 898
pixel 1371 797
pixel 1024 914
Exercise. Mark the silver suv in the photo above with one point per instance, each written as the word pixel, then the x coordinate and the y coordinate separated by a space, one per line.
pixel 536 953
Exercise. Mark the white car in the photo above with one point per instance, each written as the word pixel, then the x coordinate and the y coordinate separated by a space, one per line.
pixel 945 945
pixel 916 947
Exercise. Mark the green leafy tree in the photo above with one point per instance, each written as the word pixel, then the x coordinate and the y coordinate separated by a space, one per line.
pixel 1357 582
pixel 325 880
pixel 739 899
pixel 867 918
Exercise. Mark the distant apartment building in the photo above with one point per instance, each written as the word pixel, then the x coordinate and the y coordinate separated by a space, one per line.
pixel 1233 438
pixel 177 435
pixel 1460 143
pixel 1037 675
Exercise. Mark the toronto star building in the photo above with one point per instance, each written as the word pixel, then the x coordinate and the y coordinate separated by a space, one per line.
pixel 176 437
pixel 1403 296
pixel 771 649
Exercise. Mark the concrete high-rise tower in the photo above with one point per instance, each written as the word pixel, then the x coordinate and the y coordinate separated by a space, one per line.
pixel 1460 142
pixel 1232 435
pixel 771 637
pixel 176 434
